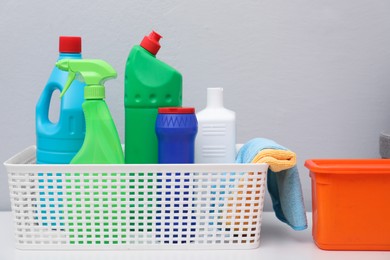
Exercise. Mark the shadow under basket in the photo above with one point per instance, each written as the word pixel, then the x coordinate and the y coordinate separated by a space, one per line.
pixel 155 206
pixel 351 203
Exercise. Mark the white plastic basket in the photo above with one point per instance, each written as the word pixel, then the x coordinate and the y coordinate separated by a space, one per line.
pixel 177 206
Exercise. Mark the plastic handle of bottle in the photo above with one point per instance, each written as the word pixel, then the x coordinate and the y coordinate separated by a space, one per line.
pixel 44 106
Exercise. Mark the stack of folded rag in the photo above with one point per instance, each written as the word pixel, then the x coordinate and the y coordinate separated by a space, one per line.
pixel 283 181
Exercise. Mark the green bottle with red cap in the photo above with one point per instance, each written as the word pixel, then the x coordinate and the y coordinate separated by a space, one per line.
pixel 149 84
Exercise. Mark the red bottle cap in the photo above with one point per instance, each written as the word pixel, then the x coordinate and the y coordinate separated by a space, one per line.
pixel 150 43
pixel 176 110
pixel 70 44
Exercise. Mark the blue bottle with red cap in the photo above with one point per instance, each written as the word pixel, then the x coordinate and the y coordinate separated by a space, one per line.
pixel 176 129
pixel 58 142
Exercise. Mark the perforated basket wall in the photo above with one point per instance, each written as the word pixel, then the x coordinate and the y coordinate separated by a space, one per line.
pixel 190 206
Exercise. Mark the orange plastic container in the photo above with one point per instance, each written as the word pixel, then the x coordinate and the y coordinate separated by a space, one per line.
pixel 351 203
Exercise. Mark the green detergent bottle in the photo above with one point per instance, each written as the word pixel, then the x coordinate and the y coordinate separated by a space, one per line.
pixel 149 84
pixel 101 144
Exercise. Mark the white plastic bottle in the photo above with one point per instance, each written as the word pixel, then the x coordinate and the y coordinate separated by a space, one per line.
pixel 216 139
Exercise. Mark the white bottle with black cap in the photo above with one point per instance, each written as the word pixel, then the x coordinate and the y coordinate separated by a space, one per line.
pixel 216 139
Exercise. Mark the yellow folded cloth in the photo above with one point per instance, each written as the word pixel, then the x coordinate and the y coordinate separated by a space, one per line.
pixel 278 160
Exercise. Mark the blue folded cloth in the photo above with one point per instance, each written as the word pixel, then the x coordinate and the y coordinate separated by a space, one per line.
pixel 283 186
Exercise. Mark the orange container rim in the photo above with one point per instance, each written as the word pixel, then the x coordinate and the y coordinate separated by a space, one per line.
pixel 349 166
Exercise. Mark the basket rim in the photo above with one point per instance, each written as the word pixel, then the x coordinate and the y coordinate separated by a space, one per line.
pixel 17 163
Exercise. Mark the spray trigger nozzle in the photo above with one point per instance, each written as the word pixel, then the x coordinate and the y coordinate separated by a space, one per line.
pixel 93 72
pixel 71 77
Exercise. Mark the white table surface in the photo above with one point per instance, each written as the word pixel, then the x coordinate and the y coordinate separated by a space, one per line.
pixel 278 241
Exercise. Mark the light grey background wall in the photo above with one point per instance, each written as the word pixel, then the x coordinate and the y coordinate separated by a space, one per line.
pixel 312 75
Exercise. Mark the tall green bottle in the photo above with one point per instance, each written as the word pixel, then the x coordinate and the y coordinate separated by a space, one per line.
pixel 149 84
